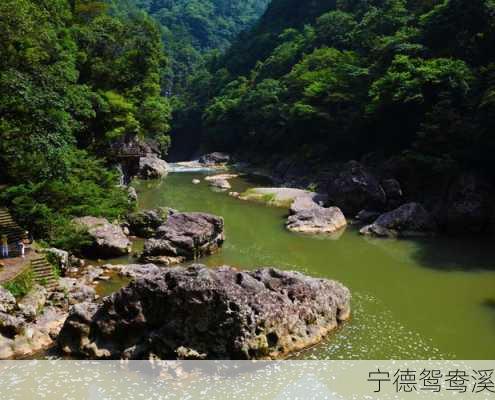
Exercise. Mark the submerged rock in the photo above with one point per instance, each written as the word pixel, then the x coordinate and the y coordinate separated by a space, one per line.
pixel 352 188
pixel 409 220
pixel 152 167
pixel 207 314
pixel 279 197
pixel 309 217
pixel 221 184
pixel 109 240
pixel 145 223
pixel 214 158
pixel 185 236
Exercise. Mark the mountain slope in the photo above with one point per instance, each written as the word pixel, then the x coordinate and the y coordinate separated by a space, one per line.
pixel 193 27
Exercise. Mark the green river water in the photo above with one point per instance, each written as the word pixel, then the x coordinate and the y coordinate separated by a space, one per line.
pixel 414 299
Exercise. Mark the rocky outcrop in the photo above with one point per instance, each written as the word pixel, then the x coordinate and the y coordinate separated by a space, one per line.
pixel 207 314
pixel 469 205
pixel 185 236
pixel 134 271
pixel 32 304
pixel 109 240
pixel 393 193
pixel 309 217
pixel 70 292
pixel 214 158
pixel 7 301
pixel 132 195
pixel 152 167
pixel 145 223
pixel 60 258
pixel 406 221
pixel 352 188
pixel 367 217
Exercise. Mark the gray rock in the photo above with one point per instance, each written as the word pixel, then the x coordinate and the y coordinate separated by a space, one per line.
pixel 6 348
pixel 214 158
pixel 221 184
pixel 109 239
pixel 469 205
pixel 10 325
pixel 352 188
pixel 367 217
pixel 73 292
pixel 393 192
pixel 145 223
pixel 59 257
pixel 7 301
pixel 202 313
pixel 152 167
pixel 309 217
pixel 185 236
pixel 409 220
pixel 32 304
pixel 136 271
pixel 132 194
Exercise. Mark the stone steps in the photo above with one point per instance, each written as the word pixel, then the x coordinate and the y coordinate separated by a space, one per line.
pixel 43 273
pixel 9 227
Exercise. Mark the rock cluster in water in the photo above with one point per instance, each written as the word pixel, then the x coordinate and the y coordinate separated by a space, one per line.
pixel 145 223
pixel 152 167
pixel 109 240
pixel 200 313
pixel 184 236
pixel 309 217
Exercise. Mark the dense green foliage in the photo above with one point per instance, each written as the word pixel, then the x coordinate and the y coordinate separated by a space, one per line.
pixel 74 80
pixel 191 28
pixel 21 285
pixel 338 79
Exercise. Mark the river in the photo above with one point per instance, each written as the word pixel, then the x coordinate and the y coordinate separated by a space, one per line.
pixel 412 299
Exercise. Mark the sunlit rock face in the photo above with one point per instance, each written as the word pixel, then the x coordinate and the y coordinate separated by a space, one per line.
pixel 201 313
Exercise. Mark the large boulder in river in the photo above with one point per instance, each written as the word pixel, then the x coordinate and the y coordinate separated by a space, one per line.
pixel 469 205
pixel 352 188
pixel 201 313
pixel 214 158
pixel 145 223
pixel 409 220
pixel 152 167
pixel 185 236
pixel 309 217
pixel 109 240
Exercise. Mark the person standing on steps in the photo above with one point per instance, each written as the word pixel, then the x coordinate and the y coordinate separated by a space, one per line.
pixel 22 248
pixel 5 246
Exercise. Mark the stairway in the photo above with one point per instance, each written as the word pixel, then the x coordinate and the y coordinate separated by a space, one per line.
pixel 43 273
pixel 13 231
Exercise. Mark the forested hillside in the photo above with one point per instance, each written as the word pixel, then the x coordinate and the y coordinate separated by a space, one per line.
pixel 74 80
pixel 389 76
pixel 190 28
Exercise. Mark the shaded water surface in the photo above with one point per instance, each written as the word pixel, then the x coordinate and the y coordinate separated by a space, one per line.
pixel 417 299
